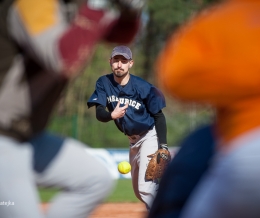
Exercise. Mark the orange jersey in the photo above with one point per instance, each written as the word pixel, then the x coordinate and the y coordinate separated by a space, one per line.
pixel 215 59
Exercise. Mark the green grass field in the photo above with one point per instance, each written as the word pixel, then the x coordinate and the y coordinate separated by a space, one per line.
pixel 123 192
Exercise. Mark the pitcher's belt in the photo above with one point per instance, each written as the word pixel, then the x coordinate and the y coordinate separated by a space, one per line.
pixel 133 137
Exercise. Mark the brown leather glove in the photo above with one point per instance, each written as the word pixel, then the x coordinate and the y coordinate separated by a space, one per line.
pixel 158 163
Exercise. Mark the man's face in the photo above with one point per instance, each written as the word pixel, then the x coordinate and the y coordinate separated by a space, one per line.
pixel 120 65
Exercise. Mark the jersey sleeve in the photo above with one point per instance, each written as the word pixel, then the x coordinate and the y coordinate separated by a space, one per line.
pixel 98 96
pixel 155 100
pixel 61 45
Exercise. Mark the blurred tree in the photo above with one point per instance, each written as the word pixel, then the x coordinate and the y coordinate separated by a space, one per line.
pixel 162 18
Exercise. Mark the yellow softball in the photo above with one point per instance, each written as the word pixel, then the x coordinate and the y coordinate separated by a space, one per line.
pixel 124 167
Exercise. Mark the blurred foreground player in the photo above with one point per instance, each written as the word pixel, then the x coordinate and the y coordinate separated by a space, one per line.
pixel 184 172
pixel 222 68
pixel 40 51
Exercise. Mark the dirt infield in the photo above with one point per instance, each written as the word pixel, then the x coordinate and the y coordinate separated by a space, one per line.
pixel 117 210
pixel 120 210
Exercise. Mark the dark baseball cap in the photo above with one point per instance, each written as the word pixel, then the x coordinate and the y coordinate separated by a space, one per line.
pixel 122 50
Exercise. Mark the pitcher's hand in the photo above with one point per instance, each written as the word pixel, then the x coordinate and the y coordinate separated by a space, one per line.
pixel 119 111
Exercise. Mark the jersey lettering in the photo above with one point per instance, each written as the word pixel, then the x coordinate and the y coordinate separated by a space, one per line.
pixel 137 106
pixel 121 100
pixel 130 102
pixel 113 98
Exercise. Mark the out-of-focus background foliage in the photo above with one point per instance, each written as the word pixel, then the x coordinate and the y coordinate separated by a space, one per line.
pixel 160 19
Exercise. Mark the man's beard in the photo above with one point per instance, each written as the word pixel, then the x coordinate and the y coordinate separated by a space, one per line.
pixel 119 73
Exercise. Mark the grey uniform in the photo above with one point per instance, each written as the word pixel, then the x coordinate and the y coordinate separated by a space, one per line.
pixel 39 52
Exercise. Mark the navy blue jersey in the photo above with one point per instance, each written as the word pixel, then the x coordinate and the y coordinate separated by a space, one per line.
pixel 143 100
